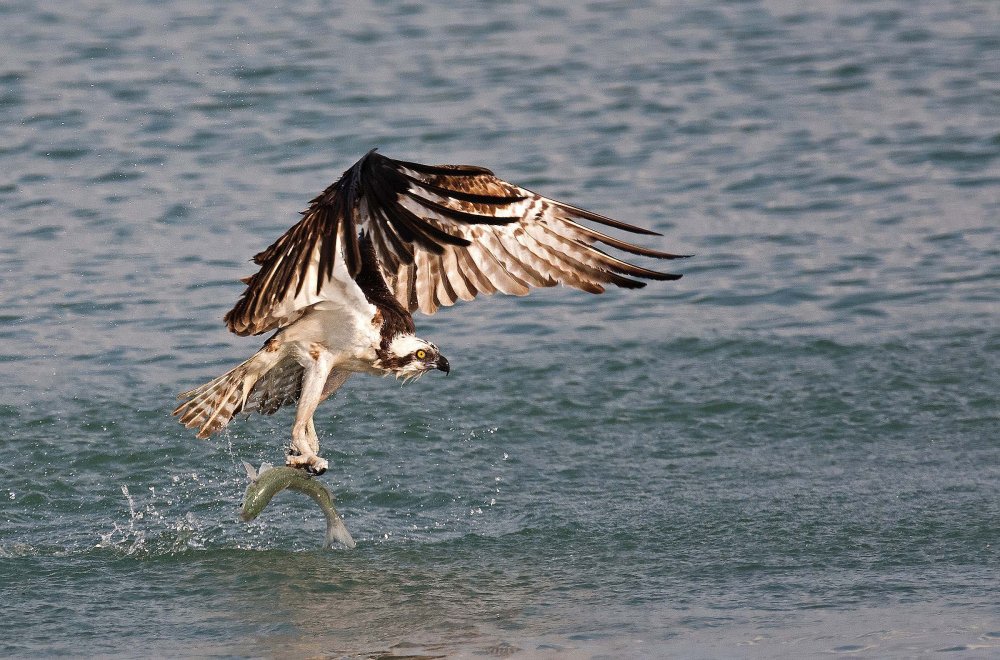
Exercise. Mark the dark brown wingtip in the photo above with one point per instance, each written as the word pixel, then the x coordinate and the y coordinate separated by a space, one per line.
pixel 578 212
pixel 442 170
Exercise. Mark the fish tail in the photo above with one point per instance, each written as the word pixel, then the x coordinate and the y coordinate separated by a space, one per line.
pixel 210 407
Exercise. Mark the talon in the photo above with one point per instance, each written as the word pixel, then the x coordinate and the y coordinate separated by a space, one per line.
pixel 316 470
pixel 312 464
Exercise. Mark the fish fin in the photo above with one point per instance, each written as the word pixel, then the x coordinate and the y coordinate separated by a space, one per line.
pixel 251 473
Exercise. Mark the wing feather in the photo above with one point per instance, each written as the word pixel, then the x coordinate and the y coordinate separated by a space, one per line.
pixel 480 282
pixel 426 281
pixel 496 271
pixel 454 278
pixel 580 262
pixel 441 233
pixel 445 293
pixel 505 249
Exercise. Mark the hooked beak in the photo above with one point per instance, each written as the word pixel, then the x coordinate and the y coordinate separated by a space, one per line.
pixel 442 364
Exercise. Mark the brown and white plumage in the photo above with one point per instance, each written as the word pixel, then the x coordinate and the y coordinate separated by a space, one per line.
pixel 388 238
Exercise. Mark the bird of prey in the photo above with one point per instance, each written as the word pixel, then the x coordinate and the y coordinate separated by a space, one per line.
pixel 388 238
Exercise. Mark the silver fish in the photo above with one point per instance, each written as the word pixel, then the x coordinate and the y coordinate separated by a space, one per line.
pixel 269 481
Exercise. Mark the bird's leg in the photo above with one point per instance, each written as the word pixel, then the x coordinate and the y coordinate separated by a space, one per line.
pixel 311 434
pixel 303 451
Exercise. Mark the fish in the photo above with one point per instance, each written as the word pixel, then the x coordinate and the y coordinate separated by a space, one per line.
pixel 269 481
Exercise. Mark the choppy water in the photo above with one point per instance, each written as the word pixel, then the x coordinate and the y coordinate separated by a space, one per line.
pixel 792 451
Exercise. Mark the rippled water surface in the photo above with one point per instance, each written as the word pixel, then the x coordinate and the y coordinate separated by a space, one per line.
pixel 791 451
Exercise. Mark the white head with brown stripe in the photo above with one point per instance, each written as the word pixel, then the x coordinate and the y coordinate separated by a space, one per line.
pixel 407 356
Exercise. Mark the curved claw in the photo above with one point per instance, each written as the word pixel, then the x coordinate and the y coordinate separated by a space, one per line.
pixel 317 470
pixel 311 463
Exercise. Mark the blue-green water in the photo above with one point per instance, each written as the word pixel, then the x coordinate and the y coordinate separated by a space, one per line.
pixel 793 451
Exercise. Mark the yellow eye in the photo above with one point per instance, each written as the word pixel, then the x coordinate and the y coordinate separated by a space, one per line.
pixel 421 354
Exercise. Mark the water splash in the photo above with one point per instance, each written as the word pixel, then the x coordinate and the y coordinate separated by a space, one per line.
pixel 155 528
pixel 128 539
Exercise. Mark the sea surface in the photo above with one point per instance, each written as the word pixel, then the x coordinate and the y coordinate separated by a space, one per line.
pixel 794 451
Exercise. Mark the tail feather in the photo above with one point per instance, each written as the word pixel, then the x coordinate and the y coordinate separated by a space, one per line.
pixel 211 406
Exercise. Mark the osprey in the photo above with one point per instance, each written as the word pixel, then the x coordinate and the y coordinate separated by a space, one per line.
pixel 386 239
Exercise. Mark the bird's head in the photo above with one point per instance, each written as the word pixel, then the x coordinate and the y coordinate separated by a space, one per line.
pixel 410 357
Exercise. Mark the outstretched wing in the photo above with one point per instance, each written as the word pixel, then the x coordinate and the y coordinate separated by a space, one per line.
pixel 441 233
